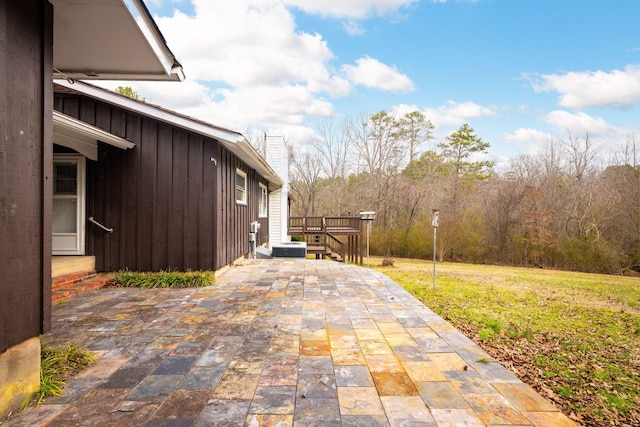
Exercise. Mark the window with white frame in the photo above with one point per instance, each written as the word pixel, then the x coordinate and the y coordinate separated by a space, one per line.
pixel 263 200
pixel 241 187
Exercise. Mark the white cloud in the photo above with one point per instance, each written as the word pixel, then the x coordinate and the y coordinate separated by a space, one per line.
pixel 579 123
pixel 528 140
pixel 249 66
pixel 371 73
pixel 602 134
pixel 456 114
pixel 356 9
pixel 618 88
pixel 245 42
pixel 353 28
pixel 528 135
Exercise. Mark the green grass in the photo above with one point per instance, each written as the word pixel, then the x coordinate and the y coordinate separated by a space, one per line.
pixel 573 333
pixel 57 364
pixel 163 279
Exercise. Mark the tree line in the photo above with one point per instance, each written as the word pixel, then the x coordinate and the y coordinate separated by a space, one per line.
pixel 565 207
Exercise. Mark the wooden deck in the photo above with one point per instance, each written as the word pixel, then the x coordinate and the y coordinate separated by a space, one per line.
pixel 336 237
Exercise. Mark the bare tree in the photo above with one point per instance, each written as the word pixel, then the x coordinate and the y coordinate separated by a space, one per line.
pixel 333 148
pixel 305 173
pixel 258 140
pixel 629 153
pixel 378 147
pixel 581 154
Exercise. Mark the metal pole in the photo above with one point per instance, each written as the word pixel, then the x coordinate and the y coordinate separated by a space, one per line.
pixel 434 257
pixel 368 233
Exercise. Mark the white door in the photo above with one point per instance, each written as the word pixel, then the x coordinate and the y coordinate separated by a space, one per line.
pixel 68 204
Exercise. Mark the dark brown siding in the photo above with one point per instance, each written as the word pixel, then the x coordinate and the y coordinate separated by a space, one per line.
pixel 171 206
pixel 25 165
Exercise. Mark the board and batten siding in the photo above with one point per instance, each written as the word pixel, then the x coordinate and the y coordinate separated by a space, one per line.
pixel 170 200
pixel 235 218
pixel 26 129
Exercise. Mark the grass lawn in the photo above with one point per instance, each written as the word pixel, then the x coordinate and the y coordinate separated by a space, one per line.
pixel 574 337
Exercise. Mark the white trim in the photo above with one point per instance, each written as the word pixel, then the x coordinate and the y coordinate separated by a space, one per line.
pixel 243 200
pixel 154 38
pixel 83 137
pixel 263 201
pixel 81 206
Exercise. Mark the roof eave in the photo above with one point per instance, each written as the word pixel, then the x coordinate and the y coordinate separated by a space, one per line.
pixel 231 140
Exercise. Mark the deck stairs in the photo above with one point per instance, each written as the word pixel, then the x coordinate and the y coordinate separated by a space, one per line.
pixel 337 238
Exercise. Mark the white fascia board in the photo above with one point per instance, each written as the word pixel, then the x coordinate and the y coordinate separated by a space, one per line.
pixel 155 39
pixel 150 110
pixel 83 133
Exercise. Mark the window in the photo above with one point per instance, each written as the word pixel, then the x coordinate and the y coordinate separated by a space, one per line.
pixel 263 200
pixel 241 187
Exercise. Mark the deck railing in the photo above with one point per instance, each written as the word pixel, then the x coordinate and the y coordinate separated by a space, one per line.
pixel 323 235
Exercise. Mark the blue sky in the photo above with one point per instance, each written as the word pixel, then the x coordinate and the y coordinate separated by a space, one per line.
pixel 520 72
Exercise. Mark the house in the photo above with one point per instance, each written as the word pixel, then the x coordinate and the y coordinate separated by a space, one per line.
pixel 71 39
pixel 143 188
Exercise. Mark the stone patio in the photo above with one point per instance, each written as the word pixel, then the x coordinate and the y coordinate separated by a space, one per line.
pixel 283 342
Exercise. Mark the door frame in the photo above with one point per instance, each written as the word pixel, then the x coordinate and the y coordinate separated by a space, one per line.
pixel 81 204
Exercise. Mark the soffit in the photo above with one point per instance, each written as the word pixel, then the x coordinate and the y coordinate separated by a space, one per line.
pixel 110 40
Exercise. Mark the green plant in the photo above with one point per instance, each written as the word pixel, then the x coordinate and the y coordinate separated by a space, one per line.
pixel 57 364
pixel 485 334
pixel 163 279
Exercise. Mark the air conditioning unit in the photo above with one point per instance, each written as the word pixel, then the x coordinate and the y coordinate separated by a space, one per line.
pixel 289 250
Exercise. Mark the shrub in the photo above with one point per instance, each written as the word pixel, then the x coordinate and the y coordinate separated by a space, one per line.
pixel 163 279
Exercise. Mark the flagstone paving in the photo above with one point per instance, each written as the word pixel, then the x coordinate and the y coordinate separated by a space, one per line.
pixel 283 342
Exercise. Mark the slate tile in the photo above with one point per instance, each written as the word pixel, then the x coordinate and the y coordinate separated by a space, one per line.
pixel 394 384
pixel 273 400
pixel 202 378
pixel 407 411
pixel 359 401
pixel 174 366
pixel 268 420
pixel 364 421
pixel 524 398
pixel 468 382
pixel 315 412
pixel 353 376
pixel 494 409
pixel 183 405
pixel 321 386
pixel 154 387
pixel 315 364
pixel 236 386
pixel 127 377
pixel 456 417
pixel 441 395
pixel 223 413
